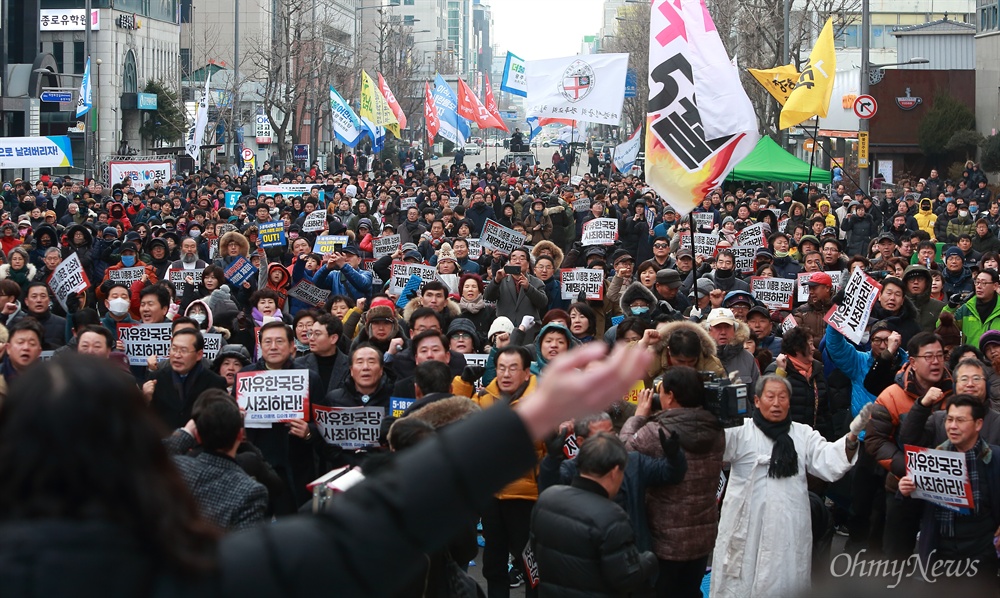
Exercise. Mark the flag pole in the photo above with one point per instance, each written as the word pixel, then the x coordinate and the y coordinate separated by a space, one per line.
pixel 812 156
pixel 694 287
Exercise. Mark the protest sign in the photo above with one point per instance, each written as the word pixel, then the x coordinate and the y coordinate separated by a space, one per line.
pixel 703 220
pixel 802 295
pixel 783 225
pixel 240 271
pixel 574 280
pixel 273 396
pixel 851 317
pixel 369 265
pixel 405 203
pixel 465 184
pixel 451 281
pixel 722 486
pixel 145 340
pixel 582 204
pixel 775 293
pixel 177 278
pixel 500 238
pixel 753 236
pixel 398 406
pixel 326 244
pixel 213 344
pixel 409 290
pixel 705 244
pixel 272 234
pixel 453 201
pixel 477 360
pixel 309 293
pixel 475 249
pixel 788 323
pixel 213 248
pixel 575 180
pixel 600 231
pixel 746 258
pixel 401 272
pixel 126 275
pixel 383 246
pixel 349 427
pixel 68 278
pixel 941 477
pixel 314 222
pixel 633 393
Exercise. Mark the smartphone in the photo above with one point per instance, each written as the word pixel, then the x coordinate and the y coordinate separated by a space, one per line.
pixel 512 270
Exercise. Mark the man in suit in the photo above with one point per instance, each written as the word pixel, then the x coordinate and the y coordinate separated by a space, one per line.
pixel 323 357
pixel 517 295
pixel 172 391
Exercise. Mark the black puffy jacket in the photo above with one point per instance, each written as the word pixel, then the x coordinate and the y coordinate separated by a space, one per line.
pixel 584 544
pixel 810 397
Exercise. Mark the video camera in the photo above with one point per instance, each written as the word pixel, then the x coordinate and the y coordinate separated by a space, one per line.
pixel 725 399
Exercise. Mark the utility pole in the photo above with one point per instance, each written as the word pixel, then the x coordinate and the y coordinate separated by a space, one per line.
pixel 235 120
pixel 88 171
pixel 865 81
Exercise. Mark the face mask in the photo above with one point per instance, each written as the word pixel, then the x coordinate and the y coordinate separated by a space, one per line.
pixel 128 260
pixel 963 213
pixel 719 272
pixel 194 233
pixel 200 318
pixel 118 307
pixel 638 311
pixel 973 209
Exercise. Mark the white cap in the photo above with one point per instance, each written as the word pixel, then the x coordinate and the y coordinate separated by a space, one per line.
pixel 501 324
pixel 721 315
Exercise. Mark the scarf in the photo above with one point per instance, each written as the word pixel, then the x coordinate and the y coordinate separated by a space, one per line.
pixel 19 276
pixel 784 459
pixel 946 517
pixel 804 367
pixel 473 307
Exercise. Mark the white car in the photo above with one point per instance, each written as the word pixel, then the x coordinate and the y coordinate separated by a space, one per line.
pixel 473 149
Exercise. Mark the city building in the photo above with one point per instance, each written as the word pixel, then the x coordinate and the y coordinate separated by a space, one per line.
pixel 987 43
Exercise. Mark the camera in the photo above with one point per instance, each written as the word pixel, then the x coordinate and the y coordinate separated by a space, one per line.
pixel 725 399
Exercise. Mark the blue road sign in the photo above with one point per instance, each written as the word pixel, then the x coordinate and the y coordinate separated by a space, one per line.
pixel 57 96
pixel 300 151
pixel 631 83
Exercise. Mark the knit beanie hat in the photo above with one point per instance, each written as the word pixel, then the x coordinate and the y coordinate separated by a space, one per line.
pixel 950 335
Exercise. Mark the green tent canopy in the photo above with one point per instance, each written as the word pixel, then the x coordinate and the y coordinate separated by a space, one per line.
pixel 768 162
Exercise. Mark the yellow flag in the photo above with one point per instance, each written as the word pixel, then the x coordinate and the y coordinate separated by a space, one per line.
pixel 375 108
pixel 811 96
pixel 779 81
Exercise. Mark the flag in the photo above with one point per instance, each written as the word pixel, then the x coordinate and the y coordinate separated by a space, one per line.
pixel 626 153
pixel 347 127
pixel 575 133
pixel 431 121
pixel 588 87
pixel 454 128
pixel 376 132
pixel 683 161
pixel 391 100
pixel 85 102
pixel 470 108
pixel 514 80
pixel 197 131
pixel 491 103
pixel 375 108
pixel 779 81
pixel 533 128
pixel 811 96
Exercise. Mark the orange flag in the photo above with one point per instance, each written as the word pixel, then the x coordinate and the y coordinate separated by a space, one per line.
pixel 431 121
pixel 391 99
pixel 470 108
pixel 491 103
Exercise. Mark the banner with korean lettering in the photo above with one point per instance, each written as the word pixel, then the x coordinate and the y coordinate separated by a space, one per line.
pixel 309 293
pixel 705 244
pixel 314 222
pixel 349 427
pixel 374 106
pixel 574 280
pixel 402 271
pixel 68 278
pixel 850 318
pixel 811 96
pixel 500 238
pixel 775 293
pixel 347 126
pixel 753 235
pixel 802 294
pixel 142 173
pixel 700 122
pixel 386 245
pixel 745 257
pixel 941 477
pixel 779 81
pixel 587 87
pixel 143 341
pixel 600 231
pixel 491 103
pixel 514 79
pixel 326 244
pixel 126 275
pixel 272 234
pixel 36 152
pixel 626 153
pixel 240 271
pixel 273 396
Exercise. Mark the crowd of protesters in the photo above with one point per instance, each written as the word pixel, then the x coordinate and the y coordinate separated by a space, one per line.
pixel 820 452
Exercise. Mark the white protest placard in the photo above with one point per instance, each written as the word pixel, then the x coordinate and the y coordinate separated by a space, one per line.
pixel 402 271
pixel 574 280
pixel 775 293
pixel 177 278
pixel 213 344
pixel 703 220
pixel 600 231
pixel 500 238
pixel 465 184
pixel 850 318
pixel 273 396
pixel 802 295
pixel 68 278
pixel 369 265
pixel 383 246
pixel 941 477
pixel 145 340
pixel 126 275
pixel 783 225
pixel 746 257
pixel 349 427
pixel 475 249
pixel 405 203
pixel 705 244
pixel 314 222
pixel 309 293
pixel 576 179
pixel 788 323
pixel 753 236
pixel 582 204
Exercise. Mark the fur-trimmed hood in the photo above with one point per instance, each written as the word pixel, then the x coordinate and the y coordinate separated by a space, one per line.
pixel 453 308
pixel 740 337
pixel 240 240
pixel 634 291
pixel 557 254
pixel 446 411
pixel 796 204
pixel 708 362
pixel 5 269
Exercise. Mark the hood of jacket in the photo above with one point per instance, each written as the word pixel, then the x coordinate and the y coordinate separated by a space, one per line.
pixel 540 359
pixel 697 429
pixel 446 411
pixel 668 328
pixel 277 267
pixel 926 206
pixel 907 312
pixel 454 310
pixel 821 203
pixel 208 310
pixel 46 231
pixel 548 247
pixel 791 209
pixel 88 238
pixel 239 239
pixel 740 336
pixel 634 291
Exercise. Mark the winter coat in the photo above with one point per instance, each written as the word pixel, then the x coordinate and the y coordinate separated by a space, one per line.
pixel 988 244
pixel 928 310
pixel 735 358
pixel 926 218
pixel 786 267
pixel 811 318
pixel 347 281
pixel 906 322
pixel 170 404
pixel 960 226
pixel 860 232
pixel 957 282
pixel 972 327
pixel 544 233
pixel 514 303
pixel 707 362
pixel 526 486
pixel 810 397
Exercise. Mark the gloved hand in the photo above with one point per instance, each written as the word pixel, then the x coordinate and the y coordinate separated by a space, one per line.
pixel 527 322
pixel 72 303
pixel 861 421
pixel 471 373
pixel 671 446
pixel 838 298
pixel 554 445
pixel 695 313
pixel 581 297
pixel 955 300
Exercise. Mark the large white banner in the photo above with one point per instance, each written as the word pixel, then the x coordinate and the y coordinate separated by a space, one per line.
pixel 587 87
pixel 273 396
pixel 142 173
pixel 35 152
pixel 626 153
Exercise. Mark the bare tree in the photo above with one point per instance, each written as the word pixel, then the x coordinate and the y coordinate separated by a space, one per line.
pixel 633 38
pixel 399 64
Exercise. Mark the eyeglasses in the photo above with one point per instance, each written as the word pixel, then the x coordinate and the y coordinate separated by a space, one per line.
pixel 973 379
pixel 932 357
pixel 511 369
pixel 461 335
pixel 982 283
pixel 660 245
pixel 180 351
pixel 880 340
pixel 957 420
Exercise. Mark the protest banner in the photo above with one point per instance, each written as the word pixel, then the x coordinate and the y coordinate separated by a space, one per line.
pixel 574 280
pixel 600 231
pixel 272 234
pixel 783 225
pixel 405 203
pixel 314 222
pixel 398 406
pixel 753 236
pixel 68 278
pixel 326 244
pixel 500 238
pixel 408 291
pixel 704 220
pixel 576 179
pixel 850 318
pixel 475 249
pixel 401 272
pixel 349 427
pixel 775 293
pixel 788 323
pixel 941 477
pixel 746 258
pixel 369 265
pixel 383 246
pixel 240 271
pixel 451 281
pixel 309 293
pixel 582 204
pixel 126 275
pixel 145 340
pixel 213 344
pixel 273 396
pixel 632 396
pixel 722 486
pixel 177 278
pixel 705 244
pixel 465 184
pixel 213 248
pixel 802 294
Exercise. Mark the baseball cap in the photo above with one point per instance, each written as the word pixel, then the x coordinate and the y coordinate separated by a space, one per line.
pixel 819 278
pixel 684 253
pixel 621 255
pixel 737 297
pixel 721 315
pixel 759 310
pixel 885 237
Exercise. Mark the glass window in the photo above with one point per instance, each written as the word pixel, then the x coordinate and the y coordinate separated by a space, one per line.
pixel 57 53
pixel 185 63
pixel 79 59
pixel 849 37
pixel 407 2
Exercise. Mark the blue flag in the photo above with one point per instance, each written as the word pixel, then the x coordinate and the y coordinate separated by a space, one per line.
pixel 454 128
pixel 347 127
pixel 85 102
pixel 533 128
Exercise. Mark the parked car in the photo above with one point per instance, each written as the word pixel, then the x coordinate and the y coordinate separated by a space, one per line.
pixel 472 149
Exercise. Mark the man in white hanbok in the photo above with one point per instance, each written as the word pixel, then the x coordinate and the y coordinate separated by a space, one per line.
pixel 764 546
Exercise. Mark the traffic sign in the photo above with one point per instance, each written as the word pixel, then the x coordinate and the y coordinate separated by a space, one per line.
pixel 300 151
pixel 56 96
pixel 865 106
pixel 247 154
